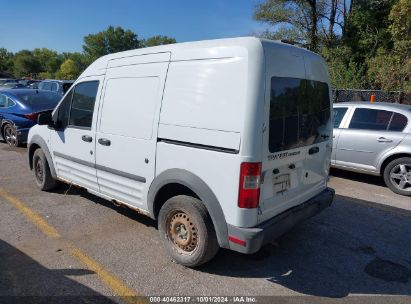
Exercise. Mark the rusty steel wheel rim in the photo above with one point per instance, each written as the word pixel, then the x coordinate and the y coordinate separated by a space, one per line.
pixel 182 232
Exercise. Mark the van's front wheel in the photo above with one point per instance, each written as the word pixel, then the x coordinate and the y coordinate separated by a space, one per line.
pixel 41 170
pixel 187 231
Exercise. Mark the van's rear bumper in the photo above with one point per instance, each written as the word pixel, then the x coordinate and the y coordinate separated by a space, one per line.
pixel 268 231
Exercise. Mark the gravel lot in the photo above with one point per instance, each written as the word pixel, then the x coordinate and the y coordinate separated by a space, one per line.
pixel 359 246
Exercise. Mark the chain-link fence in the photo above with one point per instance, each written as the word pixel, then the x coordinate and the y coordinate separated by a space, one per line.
pixel 366 95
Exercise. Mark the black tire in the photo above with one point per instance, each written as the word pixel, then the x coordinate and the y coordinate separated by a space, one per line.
pixel 397 176
pixel 41 171
pixel 200 244
pixel 10 135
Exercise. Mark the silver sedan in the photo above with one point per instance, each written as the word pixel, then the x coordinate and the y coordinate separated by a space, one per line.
pixel 374 138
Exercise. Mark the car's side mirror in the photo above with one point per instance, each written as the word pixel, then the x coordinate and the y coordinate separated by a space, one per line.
pixel 45 119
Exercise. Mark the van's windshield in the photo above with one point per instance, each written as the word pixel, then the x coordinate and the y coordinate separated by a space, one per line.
pixel 299 113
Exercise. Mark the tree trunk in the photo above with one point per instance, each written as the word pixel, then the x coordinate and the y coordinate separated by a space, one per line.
pixel 333 12
pixel 346 13
pixel 314 21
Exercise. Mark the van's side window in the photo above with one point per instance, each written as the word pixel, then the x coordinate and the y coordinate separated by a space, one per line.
pixel 82 105
pixel 299 113
pixel 64 111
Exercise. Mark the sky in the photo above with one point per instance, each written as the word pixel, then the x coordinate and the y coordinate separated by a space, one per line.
pixel 61 25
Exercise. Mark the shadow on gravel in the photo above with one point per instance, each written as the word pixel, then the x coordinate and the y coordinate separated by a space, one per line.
pixel 349 248
pixel 358 177
pixel 23 280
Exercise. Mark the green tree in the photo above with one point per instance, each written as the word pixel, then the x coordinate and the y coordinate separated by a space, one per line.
pixel 82 61
pixel 367 28
pixel 400 27
pixel 69 70
pixel 157 40
pixel 50 60
pixel 388 71
pixel 345 73
pixel 390 68
pixel 26 64
pixel 111 40
pixel 6 62
pixel 311 23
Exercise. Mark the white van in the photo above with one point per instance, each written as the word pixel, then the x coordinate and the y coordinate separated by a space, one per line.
pixel 226 143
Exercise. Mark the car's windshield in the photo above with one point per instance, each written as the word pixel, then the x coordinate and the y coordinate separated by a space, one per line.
pixel 36 97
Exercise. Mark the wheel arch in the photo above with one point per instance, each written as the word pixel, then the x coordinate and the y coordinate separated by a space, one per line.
pixel 390 159
pixel 174 182
pixel 38 142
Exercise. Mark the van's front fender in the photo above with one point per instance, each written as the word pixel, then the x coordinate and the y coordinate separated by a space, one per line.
pixel 200 188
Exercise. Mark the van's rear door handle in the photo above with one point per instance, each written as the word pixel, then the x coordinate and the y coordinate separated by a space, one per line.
pixel 383 139
pixel 87 138
pixel 104 141
pixel 313 150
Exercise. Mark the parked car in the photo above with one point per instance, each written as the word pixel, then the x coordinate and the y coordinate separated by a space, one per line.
pixel 11 85
pixel 34 85
pixel 28 82
pixel 59 86
pixel 6 80
pixel 227 143
pixel 19 109
pixel 374 138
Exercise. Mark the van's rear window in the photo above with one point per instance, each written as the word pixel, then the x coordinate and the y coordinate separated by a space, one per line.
pixel 299 113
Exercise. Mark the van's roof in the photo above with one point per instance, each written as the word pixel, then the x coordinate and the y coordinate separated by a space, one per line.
pixel 227 47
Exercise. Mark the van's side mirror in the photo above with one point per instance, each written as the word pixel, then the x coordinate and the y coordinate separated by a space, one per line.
pixel 45 119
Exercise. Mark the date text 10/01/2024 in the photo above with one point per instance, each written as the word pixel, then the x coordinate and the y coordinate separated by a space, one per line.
pixel 202 299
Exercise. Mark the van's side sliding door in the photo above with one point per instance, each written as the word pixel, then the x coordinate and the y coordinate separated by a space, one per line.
pixel 126 136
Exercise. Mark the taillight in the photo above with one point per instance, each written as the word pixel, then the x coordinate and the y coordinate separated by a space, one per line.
pixel 250 178
pixel 32 116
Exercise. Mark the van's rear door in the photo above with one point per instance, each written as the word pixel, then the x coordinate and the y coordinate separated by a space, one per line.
pixel 298 131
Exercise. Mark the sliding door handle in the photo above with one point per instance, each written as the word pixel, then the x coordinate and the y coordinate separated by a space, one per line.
pixel 104 141
pixel 87 138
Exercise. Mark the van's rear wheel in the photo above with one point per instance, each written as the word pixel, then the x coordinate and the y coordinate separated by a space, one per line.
pixel 187 232
pixel 397 176
pixel 41 170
